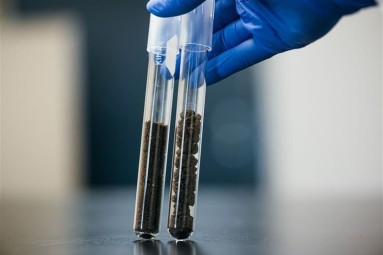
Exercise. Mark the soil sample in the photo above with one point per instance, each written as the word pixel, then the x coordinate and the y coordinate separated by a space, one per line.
pixel 150 185
pixel 184 178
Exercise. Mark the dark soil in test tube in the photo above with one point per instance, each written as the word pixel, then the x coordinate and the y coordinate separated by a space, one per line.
pixel 183 188
pixel 152 170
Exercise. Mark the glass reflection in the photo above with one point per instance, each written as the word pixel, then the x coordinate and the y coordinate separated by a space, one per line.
pixel 148 247
pixel 182 248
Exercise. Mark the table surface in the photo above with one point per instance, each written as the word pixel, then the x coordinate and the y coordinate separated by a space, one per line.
pixel 228 221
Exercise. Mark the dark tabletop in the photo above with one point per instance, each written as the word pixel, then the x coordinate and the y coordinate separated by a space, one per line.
pixel 228 221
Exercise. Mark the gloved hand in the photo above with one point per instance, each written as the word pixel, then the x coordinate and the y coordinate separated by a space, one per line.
pixel 249 31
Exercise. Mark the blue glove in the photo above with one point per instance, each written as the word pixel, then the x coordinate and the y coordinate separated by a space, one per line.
pixel 249 31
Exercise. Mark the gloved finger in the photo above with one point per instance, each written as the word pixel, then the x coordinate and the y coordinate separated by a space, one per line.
pixel 169 8
pixel 236 59
pixel 224 13
pixel 194 67
pixel 197 75
pixel 229 37
pixel 351 6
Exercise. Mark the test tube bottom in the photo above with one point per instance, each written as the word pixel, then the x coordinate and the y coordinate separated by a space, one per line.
pixel 145 235
pixel 180 234
pixel 184 178
pixel 151 180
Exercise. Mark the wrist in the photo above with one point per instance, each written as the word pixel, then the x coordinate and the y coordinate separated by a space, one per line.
pixel 351 6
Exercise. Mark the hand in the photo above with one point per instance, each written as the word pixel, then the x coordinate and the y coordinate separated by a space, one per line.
pixel 249 31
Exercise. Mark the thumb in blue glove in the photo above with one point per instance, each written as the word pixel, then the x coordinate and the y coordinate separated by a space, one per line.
pixel 249 31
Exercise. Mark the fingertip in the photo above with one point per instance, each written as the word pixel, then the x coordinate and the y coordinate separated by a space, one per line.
pixel 208 82
pixel 212 76
pixel 233 60
pixel 149 5
pixel 170 8
pixel 160 9
pixel 154 7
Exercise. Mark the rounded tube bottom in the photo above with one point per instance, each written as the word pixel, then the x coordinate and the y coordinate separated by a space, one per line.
pixel 180 234
pixel 145 235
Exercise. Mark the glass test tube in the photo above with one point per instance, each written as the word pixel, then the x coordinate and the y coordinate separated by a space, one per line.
pixel 196 35
pixel 163 49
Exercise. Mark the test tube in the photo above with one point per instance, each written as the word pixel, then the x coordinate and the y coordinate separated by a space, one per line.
pixel 195 42
pixel 163 47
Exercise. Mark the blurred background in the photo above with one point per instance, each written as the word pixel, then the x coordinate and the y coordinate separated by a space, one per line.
pixel 74 79
pixel 73 88
pixel 302 125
